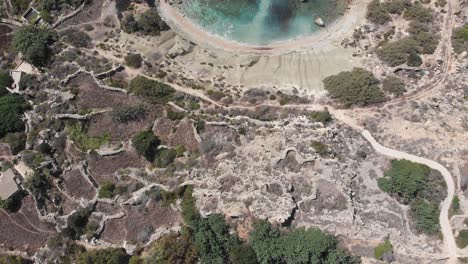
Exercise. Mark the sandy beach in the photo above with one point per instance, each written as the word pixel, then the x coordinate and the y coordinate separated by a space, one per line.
pixel 331 34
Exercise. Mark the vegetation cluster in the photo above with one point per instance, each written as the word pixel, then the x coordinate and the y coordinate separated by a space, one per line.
pixel 418 186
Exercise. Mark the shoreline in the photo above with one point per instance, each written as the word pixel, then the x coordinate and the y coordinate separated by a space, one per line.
pixel 339 29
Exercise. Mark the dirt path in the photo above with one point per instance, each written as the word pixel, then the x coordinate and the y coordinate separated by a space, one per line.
pixel 446 228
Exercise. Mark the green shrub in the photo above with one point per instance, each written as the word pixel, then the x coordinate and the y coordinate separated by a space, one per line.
pixel 151 23
pixel 77 221
pixel 382 248
pixel 130 24
pixel 299 246
pixel 404 179
pixel 156 92
pixel 455 206
pixel 215 95
pixel 427 41
pixel 323 117
pixel 320 148
pixel 396 52
pixel 172 115
pixel 125 114
pixel 13 260
pixel 415 184
pixel 28 81
pixel 462 238
pixel 16 141
pixel 242 254
pixel 20 6
pixel 414 60
pixel 13 203
pixel 146 144
pixel 357 87
pixel 12 108
pixel 173 248
pixel 34 43
pixel 133 60
pixel 377 14
pixel 396 6
pixel 76 38
pixel 5 82
pixel 419 13
pixel 84 141
pixel 460 39
pixel 107 190
pixel 189 211
pixel 160 195
pixel 165 157
pixel 416 27
pixel 426 215
pixel 394 85
pixel 104 256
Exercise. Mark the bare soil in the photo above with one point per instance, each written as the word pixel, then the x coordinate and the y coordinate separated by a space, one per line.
pixel 23 230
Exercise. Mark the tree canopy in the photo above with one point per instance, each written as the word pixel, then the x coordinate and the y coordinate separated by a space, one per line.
pixel 5 81
pixel 11 112
pixel 299 246
pixel 146 144
pixel 420 187
pixel 357 87
pixel 34 43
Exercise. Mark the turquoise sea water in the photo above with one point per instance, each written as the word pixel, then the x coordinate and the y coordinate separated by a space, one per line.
pixel 261 21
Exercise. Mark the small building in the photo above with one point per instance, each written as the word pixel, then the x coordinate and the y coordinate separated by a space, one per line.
pixel 17 73
pixel 9 184
pixel 31 16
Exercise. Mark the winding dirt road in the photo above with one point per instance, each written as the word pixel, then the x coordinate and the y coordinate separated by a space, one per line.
pixel 449 239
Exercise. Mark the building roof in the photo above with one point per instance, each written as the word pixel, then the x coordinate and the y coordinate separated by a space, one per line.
pixel 8 185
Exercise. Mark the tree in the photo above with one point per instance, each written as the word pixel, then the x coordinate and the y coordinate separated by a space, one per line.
pixel 78 220
pixel 11 111
pixel 34 43
pixel 242 254
pixel 404 179
pixel 5 82
pixel 356 87
pixel 265 242
pixel 151 23
pixel 415 184
pixel 146 144
pixel 299 246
